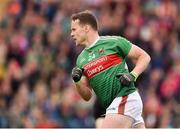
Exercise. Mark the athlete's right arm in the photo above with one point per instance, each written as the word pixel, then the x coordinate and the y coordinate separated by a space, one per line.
pixel 82 83
pixel 84 89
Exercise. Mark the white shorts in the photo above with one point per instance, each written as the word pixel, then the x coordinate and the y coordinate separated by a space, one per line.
pixel 130 105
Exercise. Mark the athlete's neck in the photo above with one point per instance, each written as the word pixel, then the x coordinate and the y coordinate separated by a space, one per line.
pixel 92 37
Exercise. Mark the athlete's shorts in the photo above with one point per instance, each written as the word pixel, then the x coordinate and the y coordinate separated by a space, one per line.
pixel 130 105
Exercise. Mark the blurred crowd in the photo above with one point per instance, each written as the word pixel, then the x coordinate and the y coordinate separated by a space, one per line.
pixel 37 55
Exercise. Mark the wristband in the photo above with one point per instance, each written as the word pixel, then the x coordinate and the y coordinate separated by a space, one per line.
pixel 135 75
pixel 77 83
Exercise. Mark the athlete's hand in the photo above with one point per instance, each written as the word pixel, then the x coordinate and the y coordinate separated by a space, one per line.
pixel 77 74
pixel 126 78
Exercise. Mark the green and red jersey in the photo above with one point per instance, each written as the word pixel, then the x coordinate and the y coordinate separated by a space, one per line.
pixel 102 62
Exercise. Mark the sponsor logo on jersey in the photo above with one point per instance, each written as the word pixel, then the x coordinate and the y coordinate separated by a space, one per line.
pixel 100 64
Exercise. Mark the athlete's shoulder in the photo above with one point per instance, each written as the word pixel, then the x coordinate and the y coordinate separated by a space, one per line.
pixel 112 38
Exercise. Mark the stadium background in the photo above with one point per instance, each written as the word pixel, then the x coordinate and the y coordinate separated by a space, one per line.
pixel 37 55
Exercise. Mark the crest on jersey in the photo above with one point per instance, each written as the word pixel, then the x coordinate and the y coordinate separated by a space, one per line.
pixel 101 51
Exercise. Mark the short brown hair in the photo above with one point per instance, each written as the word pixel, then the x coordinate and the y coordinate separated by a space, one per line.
pixel 86 17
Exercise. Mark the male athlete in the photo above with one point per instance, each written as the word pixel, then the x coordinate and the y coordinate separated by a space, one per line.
pixel 101 66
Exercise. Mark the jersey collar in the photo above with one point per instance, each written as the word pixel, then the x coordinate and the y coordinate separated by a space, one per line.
pixel 93 43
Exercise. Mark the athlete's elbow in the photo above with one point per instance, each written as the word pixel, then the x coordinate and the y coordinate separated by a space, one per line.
pixel 87 97
pixel 148 58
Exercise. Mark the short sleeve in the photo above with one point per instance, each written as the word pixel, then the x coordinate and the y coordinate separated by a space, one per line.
pixel 79 60
pixel 123 45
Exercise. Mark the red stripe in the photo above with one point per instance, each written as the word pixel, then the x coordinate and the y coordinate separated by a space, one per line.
pixel 122 105
pixel 100 64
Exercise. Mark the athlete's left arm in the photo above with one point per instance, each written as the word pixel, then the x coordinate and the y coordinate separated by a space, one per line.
pixel 141 58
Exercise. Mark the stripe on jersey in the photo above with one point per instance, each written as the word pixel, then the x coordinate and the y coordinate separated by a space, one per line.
pixel 100 64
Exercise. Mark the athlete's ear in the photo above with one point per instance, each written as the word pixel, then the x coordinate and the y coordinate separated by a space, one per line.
pixel 86 27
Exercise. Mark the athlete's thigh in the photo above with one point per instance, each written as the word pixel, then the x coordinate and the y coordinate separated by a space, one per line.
pixel 117 121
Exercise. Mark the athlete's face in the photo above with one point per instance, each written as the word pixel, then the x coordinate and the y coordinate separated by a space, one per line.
pixel 78 32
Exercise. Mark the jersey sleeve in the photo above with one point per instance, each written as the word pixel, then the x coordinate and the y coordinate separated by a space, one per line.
pixel 123 46
pixel 79 60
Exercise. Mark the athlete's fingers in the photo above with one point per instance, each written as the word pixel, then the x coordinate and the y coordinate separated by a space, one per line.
pixel 119 75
